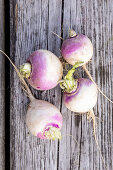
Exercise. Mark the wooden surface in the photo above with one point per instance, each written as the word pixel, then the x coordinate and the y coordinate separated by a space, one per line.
pixel 31 23
pixel 2 90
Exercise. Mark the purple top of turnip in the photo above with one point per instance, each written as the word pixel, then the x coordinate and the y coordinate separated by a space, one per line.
pixel 45 72
pixel 44 120
pixel 82 99
pixel 77 48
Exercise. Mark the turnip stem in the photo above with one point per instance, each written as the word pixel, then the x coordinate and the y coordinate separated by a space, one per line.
pixel 28 91
pixel 25 70
pixel 69 84
pixel 53 133
pixel 70 72
pixel 57 35
pixel 72 33
pixel 89 75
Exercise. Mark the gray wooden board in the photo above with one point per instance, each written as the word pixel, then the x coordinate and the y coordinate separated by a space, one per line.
pixel 2 90
pixel 31 25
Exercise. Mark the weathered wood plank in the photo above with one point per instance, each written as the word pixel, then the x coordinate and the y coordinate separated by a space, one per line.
pixel 31 26
pixel 2 90
pixel 35 22
pixel 93 18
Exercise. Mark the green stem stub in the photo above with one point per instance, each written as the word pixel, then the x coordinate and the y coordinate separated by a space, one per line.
pixel 72 33
pixel 53 133
pixel 69 84
pixel 25 70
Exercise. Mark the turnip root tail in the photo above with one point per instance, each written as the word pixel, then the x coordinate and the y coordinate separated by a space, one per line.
pixel 72 138
pixel 57 35
pixel 24 84
pixel 91 116
pixel 89 75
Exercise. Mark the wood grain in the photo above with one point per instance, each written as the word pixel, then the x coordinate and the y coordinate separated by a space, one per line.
pixel 31 25
pixel 36 20
pixel 2 90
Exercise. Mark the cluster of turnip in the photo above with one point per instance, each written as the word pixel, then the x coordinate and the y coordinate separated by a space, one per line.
pixel 43 71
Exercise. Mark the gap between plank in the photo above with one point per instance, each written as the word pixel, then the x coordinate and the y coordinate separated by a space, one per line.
pixel 7 85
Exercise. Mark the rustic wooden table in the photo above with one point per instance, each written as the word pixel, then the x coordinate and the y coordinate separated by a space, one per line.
pixel 31 23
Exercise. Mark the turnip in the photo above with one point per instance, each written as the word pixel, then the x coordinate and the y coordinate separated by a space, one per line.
pixel 43 119
pixel 78 48
pixel 43 70
pixel 80 95
pixel 83 98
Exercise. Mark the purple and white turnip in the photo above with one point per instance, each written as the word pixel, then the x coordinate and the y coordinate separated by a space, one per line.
pixel 44 120
pixel 83 98
pixel 77 48
pixel 43 70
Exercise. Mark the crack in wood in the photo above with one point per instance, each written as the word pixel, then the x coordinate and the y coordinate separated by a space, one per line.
pixel 80 146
